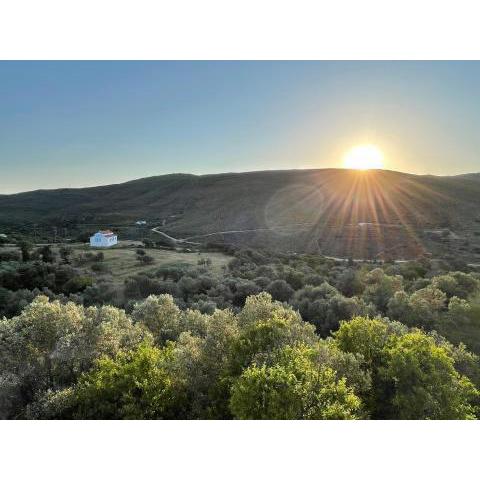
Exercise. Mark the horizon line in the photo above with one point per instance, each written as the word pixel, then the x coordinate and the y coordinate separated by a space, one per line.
pixel 238 173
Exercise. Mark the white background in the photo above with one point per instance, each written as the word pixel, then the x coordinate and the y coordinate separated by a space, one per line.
pixel 239 450
pixel 209 29
pixel 240 29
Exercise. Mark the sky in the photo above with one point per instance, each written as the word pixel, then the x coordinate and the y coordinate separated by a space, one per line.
pixel 74 124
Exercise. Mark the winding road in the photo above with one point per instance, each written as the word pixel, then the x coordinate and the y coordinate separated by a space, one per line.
pixel 188 241
pixel 204 235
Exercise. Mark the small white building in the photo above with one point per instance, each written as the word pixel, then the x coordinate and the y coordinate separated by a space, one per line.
pixel 103 238
pixel 141 222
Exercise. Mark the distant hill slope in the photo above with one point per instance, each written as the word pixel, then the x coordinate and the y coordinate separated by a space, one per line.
pixel 333 210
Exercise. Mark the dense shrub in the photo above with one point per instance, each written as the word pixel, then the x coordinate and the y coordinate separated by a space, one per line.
pixel 213 343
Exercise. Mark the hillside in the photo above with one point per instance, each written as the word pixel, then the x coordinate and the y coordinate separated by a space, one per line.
pixel 333 211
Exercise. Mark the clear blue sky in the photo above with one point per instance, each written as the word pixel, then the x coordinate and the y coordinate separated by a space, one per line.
pixel 68 124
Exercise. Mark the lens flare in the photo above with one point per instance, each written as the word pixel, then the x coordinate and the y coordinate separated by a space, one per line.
pixel 363 157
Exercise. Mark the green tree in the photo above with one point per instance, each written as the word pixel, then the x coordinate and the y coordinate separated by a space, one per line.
pixel 50 344
pixel 267 326
pixel 422 308
pixel 65 253
pixel 280 290
pixel 325 307
pixel 47 254
pixel 368 339
pixel 349 283
pixel 425 382
pixel 427 304
pixel 25 248
pixel 413 373
pixel 137 384
pixel 160 315
pixel 293 388
pixel 77 284
pixel 380 288
pixel 457 284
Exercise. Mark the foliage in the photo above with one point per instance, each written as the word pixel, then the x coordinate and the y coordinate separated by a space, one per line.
pixel 293 388
pixel 414 375
pixel 133 385
pixel 271 336
pixel 425 382
pixel 160 315
pixel 49 344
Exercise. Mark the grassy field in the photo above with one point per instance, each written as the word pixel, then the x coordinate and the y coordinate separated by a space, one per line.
pixel 121 262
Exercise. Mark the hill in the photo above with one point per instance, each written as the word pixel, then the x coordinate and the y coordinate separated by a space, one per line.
pixel 333 211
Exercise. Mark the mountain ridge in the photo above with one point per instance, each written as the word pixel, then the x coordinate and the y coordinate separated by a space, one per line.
pixel 248 172
pixel 320 205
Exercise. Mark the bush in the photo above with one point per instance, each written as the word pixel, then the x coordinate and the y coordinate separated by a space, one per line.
pixel 146 259
pixel 77 284
pixel 99 268
pixel 9 256
pixel 280 290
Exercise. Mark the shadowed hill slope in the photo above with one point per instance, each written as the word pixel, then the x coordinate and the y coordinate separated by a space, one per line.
pixel 342 212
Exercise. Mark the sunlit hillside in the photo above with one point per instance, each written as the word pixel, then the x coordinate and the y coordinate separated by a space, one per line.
pixel 346 213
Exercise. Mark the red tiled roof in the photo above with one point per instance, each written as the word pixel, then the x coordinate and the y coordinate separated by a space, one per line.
pixel 106 233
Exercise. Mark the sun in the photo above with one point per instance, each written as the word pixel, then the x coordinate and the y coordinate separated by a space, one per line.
pixel 363 157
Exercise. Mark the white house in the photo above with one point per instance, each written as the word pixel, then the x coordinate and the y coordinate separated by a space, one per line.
pixel 141 222
pixel 103 238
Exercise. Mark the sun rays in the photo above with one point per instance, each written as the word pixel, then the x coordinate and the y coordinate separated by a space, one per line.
pixel 373 214
pixel 357 213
